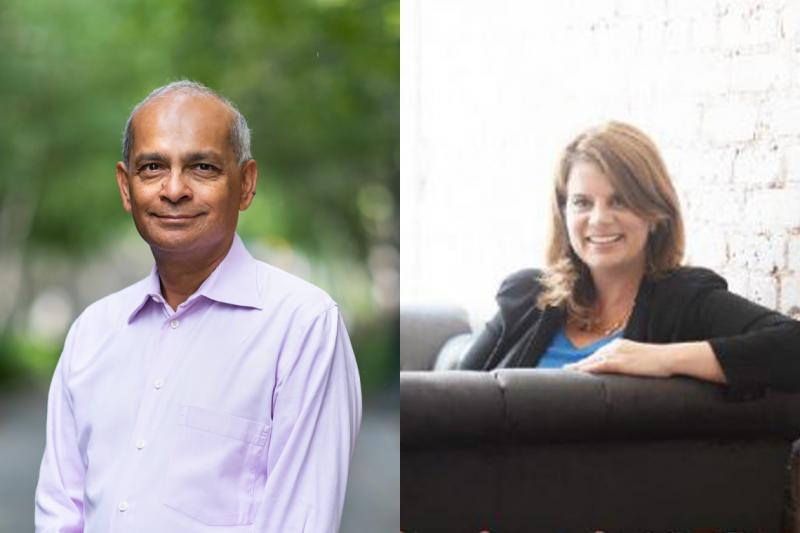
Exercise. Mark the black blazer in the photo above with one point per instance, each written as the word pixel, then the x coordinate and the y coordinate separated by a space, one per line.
pixel 756 347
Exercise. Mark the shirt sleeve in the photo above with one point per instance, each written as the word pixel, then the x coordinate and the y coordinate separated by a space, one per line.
pixel 59 493
pixel 755 346
pixel 480 353
pixel 316 417
pixel 516 301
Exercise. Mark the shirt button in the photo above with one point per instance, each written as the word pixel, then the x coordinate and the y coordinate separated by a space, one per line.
pixel 123 506
pixel 158 383
pixel 174 324
pixel 141 443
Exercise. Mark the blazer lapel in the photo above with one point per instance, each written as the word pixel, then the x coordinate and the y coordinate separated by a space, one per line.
pixel 636 329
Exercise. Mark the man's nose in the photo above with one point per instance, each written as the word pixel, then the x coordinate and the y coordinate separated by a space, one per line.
pixel 176 187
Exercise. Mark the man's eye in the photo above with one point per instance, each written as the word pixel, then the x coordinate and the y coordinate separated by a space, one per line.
pixel 150 167
pixel 205 167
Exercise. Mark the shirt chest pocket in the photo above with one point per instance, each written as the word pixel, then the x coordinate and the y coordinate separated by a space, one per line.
pixel 213 467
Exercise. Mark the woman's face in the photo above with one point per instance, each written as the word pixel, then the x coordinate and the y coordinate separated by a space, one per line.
pixel 604 232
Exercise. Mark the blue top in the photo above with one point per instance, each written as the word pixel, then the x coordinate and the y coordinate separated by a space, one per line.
pixel 562 352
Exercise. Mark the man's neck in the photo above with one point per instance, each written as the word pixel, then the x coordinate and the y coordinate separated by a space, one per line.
pixel 182 274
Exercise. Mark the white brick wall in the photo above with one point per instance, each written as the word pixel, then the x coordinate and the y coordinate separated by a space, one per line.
pixel 491 91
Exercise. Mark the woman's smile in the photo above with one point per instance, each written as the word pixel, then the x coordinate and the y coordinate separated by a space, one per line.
pixel 604 240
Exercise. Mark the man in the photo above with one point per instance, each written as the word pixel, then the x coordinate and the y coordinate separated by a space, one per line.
pixel 219 393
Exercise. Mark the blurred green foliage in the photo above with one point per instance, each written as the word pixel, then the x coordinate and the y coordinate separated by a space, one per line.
pixel 318 82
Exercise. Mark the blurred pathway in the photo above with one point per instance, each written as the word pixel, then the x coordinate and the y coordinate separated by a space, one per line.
pixel 373 492
pixel 373 489
pixel 22 416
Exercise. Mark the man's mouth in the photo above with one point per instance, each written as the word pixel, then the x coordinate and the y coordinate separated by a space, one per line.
pixel 604 239
pixel 168 216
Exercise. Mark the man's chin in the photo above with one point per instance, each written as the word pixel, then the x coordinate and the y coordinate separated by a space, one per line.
pixel 172 241
pixel 181 242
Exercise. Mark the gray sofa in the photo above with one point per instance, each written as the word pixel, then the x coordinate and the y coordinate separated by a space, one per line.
pixel 545 450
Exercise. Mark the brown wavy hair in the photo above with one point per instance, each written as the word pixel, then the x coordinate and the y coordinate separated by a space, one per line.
pixel 637 173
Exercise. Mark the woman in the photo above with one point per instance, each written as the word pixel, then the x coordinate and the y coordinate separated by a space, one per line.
pixel 614 296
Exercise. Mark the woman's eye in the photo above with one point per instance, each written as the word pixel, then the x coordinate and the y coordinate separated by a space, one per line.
pixel 580 202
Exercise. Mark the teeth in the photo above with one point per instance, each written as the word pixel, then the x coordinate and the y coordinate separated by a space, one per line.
pixel 604 240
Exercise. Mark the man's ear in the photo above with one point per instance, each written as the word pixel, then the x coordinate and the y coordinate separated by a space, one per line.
pixel 249 177
pixel 124 186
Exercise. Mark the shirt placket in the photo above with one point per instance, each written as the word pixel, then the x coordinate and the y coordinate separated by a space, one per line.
pixel 155 400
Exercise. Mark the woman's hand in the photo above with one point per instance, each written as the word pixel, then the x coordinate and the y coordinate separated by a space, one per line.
pixel 623 356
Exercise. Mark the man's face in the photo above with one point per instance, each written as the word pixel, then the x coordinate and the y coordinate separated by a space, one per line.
pixel 182 183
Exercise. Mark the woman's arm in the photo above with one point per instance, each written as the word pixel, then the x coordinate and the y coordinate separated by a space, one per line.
pixel 755 346
pixel 730 340
pixel 622 356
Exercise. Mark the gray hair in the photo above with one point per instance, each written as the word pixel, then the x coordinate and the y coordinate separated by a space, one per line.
pixel 239 131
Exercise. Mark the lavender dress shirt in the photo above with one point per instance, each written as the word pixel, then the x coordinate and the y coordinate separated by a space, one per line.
pixel 236 412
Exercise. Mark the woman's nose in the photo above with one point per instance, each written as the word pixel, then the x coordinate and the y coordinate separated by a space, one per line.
pixel 599 214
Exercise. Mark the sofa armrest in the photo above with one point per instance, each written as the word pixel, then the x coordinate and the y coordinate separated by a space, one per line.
pixel 528 406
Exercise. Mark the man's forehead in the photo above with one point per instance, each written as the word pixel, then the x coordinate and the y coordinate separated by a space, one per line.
pixel 199 122
pixel 182 105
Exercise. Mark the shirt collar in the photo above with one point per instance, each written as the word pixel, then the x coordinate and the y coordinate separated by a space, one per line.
pixel 233 282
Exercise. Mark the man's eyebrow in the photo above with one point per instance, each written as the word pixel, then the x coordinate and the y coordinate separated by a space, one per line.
pixel 193 157
pixel 150 156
